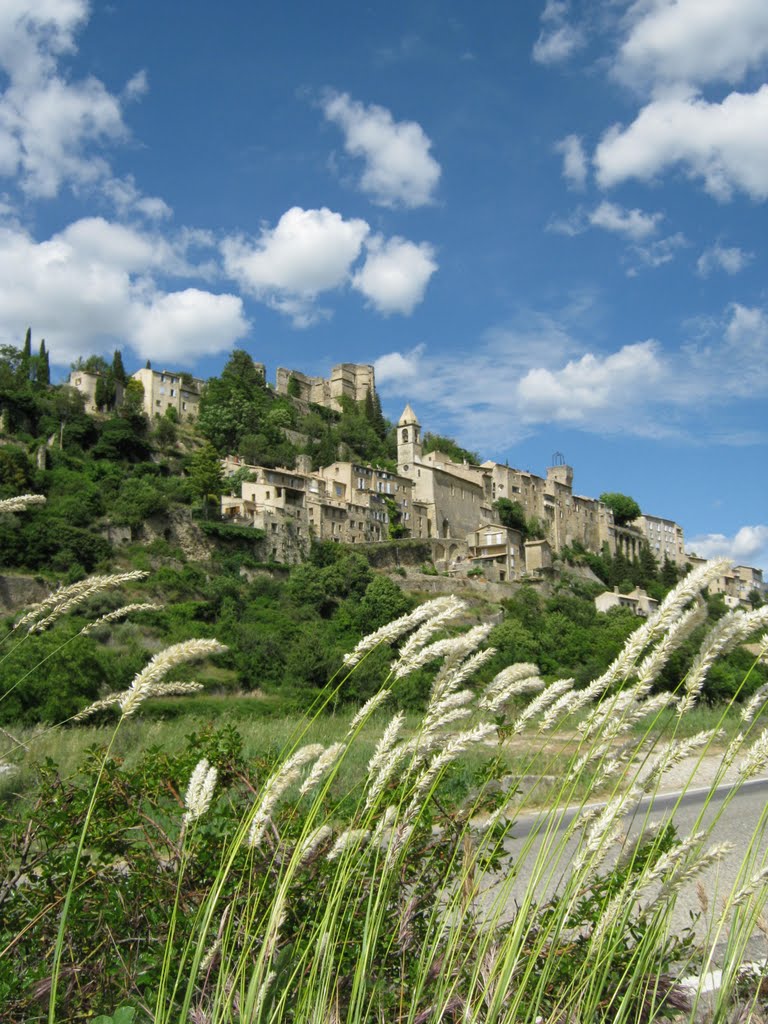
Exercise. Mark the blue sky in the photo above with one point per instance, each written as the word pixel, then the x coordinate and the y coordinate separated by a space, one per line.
pixel 544 223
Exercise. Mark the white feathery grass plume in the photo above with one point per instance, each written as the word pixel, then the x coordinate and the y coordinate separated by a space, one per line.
pixel 350 837
pixel 385 823
pixel 264 988
pixel 199 793
pixel 441 610
pixel 454 671
pixel 66 598
pixel 117 615
pixel 505 681
pixel 448 703
pixel 541 703
pixel 324 762
pixel 494 702
pixel 672 755
pixel 732 629
pixel 604 829
pixel 740 897
pixel 644 837
pixel 563 707
pixel 454 746
pixel 392 631
pixel 694 867
pixel 454 647
pixel 312 841
pixel 678 632
pixel 660 621
pixel 670 860
pixel 175 689
pixel 368 708
pixel 754 704
pixel 284 776
pixel 147 682
pixel 756 757
pixel 21 502
pixel 386 742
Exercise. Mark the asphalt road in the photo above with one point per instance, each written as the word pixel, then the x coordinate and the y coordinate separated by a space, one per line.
pixel 741 821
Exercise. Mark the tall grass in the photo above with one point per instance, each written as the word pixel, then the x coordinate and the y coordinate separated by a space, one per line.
pixel 312 893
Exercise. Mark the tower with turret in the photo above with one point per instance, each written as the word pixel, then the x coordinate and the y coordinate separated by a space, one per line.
pixel 409 447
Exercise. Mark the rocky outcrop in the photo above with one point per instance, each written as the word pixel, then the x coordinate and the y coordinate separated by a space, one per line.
pixel 180 530
pixel 19 592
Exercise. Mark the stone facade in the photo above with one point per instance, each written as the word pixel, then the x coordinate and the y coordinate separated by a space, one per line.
pixel 637 601
pixel 353 380
pixel 345 502
pixel 86 383
pixel 665 538
pixel 169 389
pixel 735 585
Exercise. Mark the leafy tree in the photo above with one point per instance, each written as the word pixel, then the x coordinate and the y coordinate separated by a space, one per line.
pixel 133 400
pixel 447 445
pixel 624 508
pixel 294 387
pixel 382 602
pixel 396 528
pixel 206 475
pixel 25 366
pixel 511 514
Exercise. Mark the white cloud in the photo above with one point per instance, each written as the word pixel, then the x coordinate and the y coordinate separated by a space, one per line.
pixel 399 168
pixel 693 41
pixel 310 252
pixel 516 378
pixel 288 266
pixel 657 253
pixel 633 224
pixel 395 274
pixel 574 160
pixel 93 286
pixel 724 143
pixel 749 546
pixel 558 39
pixel 183 326
pixel 398 368
pixel 53 128
pixel 718 257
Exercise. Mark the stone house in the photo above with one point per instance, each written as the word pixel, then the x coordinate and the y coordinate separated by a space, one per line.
pixel 665 538
pixel 86 383
pixel 170 389
pixel 638 601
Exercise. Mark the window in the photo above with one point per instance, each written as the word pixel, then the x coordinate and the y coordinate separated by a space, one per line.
pixel 184 406
pixel 173 392
pixel 162 391
pixel 405 435
pixel 278 492
pixel 157 401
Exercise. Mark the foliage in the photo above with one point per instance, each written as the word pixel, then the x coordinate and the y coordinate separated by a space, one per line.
pixel 625 509
pixel 449 447
pixel 511 514
pixel 315 881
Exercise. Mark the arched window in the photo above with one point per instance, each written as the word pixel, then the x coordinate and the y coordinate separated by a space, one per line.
pixel 405 435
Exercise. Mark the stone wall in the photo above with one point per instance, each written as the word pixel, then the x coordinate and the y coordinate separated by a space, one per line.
pixel 21 592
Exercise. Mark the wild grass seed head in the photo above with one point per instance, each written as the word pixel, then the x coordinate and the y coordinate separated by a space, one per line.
pixel 117 615
pixel 147 683
pixel 21 502
pixel 439 610
pixel 371 705
pixel 321 766
pixel 66 598
pixel 452 649
pixel 281 779
pixel 200 789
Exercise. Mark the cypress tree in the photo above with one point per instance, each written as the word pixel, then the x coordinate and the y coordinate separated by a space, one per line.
pixel 118 370
pixel 43 365
pixel 25 366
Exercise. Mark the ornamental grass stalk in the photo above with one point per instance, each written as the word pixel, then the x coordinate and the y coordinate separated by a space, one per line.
pixel 407 896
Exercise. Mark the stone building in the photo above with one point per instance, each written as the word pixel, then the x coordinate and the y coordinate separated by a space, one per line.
pixel 345 502
pixel 170 389
pixel 353 380
pixel 665 538
pixel 86 383
pixel 499 550
pixel 638 601
pixel 736 584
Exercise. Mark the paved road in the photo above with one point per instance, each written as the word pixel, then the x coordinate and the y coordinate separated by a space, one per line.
pixel 741 821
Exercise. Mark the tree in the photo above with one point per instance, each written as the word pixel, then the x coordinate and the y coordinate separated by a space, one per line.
pixel 26 356
pixel 511 514
pixel 133 399
pixel 624 508
pixel 118 370
pixel 43 365
pixel 206 475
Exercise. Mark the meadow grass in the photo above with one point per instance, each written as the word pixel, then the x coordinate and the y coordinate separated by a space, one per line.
pixel 370 869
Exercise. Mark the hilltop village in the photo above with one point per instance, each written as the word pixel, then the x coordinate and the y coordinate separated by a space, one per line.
pixel 454 506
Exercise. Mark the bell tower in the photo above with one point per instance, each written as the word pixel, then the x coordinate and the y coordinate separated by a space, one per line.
pixel 408 441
